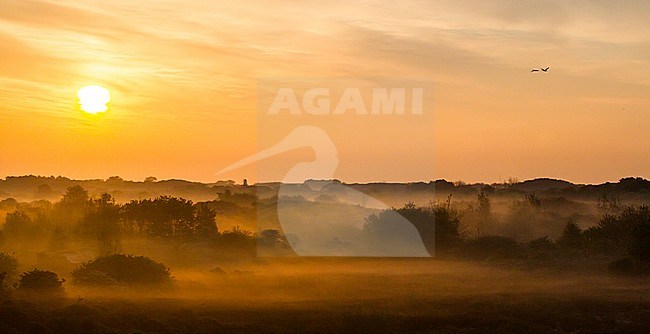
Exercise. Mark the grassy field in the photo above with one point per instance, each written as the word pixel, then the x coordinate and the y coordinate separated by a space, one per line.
pixel 349 295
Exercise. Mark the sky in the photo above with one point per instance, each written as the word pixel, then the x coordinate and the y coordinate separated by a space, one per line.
pixel 184 79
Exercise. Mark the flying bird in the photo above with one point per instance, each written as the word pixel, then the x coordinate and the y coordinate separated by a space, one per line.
pixel 545 69
pixel 534 70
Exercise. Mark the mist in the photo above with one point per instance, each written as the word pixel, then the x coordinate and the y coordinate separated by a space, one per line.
pixel 234 257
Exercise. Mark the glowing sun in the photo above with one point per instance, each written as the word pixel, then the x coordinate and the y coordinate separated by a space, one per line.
pixel 94 99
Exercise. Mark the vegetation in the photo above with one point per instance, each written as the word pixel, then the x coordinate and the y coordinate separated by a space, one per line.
pixel 8 264
pixel 122 269
pixel 40 281
pixel 491 247
pixel 467 229
pixel 505 226
pixel 572 237
pixel 8 269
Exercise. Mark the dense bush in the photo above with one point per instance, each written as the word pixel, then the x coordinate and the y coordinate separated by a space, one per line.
pixel 42 281
pixel 237 240
pixel 123 270
pixel 625 232
pixel 639 246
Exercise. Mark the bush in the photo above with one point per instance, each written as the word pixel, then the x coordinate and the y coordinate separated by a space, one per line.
pixel 122 270
pixel 8 264
pixel 622 267
pixel 491 247
pixel 543 244
pixel 237 238
pixel 42 281
pixel 627 232
pixel 639 246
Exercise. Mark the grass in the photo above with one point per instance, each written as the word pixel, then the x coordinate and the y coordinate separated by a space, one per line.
pixel 350 295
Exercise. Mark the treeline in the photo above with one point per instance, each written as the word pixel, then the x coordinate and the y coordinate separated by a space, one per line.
pixel 622 232
pixel 473 231
pixel 78 217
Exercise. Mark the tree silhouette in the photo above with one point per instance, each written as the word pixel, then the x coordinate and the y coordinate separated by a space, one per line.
pixel 8 264
pixel 169 217
pixel 484 212
pixel 102 222
pixel 75 196
pixel 206 224
pixel 437 225
pixel 18 223
pixel 572 236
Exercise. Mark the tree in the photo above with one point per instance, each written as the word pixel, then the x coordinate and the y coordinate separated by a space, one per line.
pixel 102 222
pixel 609 204
pixel 164 216
pixel 526 220
pixel 572 236
pixel 44 191
pixel 206 224
pixel 8 264
pixel 73 206
pixel 75 197
pixel 18 223
pixel 437 225
pixel 447 222
pixel 8 204
pixel 638 220
pixel 484 212
pixel 626 231
pixel 533 200
pixel 272 238
pixel 170 217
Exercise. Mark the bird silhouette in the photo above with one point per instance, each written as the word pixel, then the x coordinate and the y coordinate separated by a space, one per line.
pixel 545 69
pixel 407 243
pixel 534 70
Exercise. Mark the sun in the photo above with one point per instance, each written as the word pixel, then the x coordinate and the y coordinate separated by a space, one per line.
pixel 94 99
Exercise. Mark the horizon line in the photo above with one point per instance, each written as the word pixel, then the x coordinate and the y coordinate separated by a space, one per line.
pixel 455 182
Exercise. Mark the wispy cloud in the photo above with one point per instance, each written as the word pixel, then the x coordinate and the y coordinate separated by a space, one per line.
pixel 178 65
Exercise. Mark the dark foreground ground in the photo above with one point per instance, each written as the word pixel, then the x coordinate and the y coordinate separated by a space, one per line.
pixel 341 296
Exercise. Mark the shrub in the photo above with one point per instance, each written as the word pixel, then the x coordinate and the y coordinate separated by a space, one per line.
pixel 437 225
pixel 40 281
pixel 541 249
pixel 623 267
pixel 491 247
pixel 8 264
pixel 543 244
pixel 123 270
pixel 639 246
pixel 626 232
pixel 237 238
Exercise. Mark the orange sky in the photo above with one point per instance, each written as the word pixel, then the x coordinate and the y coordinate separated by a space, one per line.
pixel 183 77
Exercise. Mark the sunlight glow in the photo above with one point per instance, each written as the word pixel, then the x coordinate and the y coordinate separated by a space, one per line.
pixel 94 99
